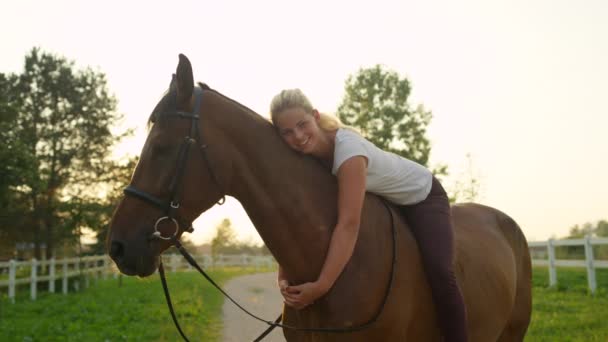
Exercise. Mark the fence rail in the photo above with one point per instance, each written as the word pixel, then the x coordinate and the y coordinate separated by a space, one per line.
pixel 14 273
pixel 589 263
pixel 34 271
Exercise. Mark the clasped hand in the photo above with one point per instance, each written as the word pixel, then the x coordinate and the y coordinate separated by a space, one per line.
pixel 300 296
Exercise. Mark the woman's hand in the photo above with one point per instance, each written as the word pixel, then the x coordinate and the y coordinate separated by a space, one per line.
pixel 300 296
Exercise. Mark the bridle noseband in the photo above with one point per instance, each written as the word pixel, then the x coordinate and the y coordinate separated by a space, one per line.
pixel 171 206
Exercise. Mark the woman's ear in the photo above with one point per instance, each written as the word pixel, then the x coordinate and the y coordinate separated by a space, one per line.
pixel 316 115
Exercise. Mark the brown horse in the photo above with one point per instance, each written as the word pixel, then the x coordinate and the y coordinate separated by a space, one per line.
pixel 291 199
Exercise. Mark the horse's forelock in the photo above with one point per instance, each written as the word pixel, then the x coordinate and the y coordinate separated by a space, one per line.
pixel 160 108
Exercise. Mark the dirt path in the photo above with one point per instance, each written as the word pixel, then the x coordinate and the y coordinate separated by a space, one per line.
pixel 257 293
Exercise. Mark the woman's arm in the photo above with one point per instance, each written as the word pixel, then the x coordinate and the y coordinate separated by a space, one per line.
pixel 351 191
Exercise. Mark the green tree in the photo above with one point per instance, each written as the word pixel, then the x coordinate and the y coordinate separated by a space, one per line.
pixel 599 229
pixel 16 169
pixel 376 103
pixel 95 212
pixel 60 120
pixel 224 241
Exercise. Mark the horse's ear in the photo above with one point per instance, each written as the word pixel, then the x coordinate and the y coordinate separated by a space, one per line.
pixel 185 80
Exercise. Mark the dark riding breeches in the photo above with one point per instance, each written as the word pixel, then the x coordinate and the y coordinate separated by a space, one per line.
pixel 431 225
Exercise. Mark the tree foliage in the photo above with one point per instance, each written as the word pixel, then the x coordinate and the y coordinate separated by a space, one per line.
pixel 225 242
pixel 599 229
pixel 376 103
pixel 58 120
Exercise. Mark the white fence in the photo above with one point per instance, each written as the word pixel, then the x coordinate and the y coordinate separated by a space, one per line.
pixel 589 263
pixel 93 267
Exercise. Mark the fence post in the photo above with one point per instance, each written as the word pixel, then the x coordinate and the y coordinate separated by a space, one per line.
pixel 552 270
pixel 589 263
pixel 64 280
pixel 85 272
pixel 52 275
pixel 173 262
pixel 96 267
pixel 104 268
pixel 78 275
pixel 12 271
pixel 34 278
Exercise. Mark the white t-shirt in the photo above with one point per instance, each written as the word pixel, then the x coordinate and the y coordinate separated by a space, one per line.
pixel 393 177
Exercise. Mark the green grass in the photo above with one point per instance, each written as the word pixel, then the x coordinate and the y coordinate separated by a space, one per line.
pixel 569 312
pixel 133 311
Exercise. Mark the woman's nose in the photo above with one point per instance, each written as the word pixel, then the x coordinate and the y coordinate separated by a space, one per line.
pixel 298 134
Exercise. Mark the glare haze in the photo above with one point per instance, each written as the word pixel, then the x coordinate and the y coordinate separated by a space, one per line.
pixel 518 85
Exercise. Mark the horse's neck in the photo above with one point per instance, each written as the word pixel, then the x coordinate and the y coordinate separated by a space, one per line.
pixel 289 198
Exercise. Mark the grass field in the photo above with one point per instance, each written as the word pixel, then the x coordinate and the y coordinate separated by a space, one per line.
pixel 568 312
pixel 136 310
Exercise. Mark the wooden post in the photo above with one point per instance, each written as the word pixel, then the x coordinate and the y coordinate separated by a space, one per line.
pixel 34 278
pixel 552 270
pixel 64 280
pixel 78 275
pixel 173 262
pixel 12 271
pixel 52 275
pixel 95 263
pixel 106 266
pixel 85 272
pixel 589 264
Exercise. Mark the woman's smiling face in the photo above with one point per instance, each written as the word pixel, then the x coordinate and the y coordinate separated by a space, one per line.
pixel 299 129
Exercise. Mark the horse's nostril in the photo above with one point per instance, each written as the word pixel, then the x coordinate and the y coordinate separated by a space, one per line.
pixel 116 250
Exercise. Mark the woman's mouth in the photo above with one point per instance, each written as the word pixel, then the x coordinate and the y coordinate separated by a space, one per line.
pixel 303 143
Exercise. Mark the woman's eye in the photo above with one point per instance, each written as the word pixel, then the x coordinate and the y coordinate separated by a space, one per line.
pixel 287 133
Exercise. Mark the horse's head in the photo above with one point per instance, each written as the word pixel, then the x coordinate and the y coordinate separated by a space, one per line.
pixel 172 183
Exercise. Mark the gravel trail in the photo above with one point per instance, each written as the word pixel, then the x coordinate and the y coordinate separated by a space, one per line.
pixel 259 294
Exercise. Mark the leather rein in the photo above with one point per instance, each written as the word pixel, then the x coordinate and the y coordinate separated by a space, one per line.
pixel 170 207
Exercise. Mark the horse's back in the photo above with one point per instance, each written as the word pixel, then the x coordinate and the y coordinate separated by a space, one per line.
pixel 492 264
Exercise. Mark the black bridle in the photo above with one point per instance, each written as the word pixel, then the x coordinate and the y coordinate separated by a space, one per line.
pixel 170 207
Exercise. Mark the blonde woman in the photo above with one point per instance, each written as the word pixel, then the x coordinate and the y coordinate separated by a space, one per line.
pixel 360 166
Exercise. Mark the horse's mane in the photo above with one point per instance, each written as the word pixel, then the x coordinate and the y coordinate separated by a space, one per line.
pixel 168 100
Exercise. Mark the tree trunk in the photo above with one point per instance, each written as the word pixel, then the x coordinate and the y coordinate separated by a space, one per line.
pixel 49 239
pixel 37 240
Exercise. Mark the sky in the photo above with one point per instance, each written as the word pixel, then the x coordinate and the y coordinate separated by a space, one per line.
pixel 520 86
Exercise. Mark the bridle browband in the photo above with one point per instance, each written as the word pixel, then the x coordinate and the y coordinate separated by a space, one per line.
pixel 170 207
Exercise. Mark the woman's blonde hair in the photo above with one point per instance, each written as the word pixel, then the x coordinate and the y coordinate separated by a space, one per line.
pixel 295 98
